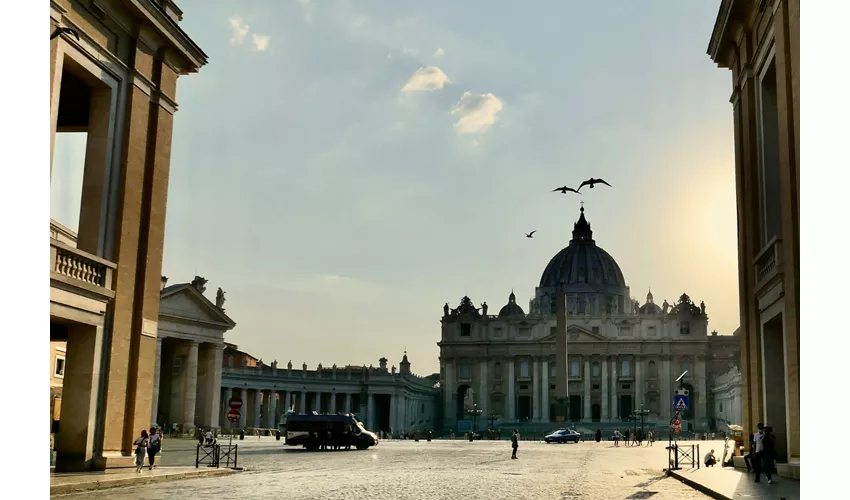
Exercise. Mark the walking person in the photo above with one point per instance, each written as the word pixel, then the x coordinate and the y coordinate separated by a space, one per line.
pixel 514 443
pixel 154 445
pixel 758 440
pixel 141 444
pixel 768 453
pixel 598 435
pixel 617 437
pixel 626 436
pixel 751 455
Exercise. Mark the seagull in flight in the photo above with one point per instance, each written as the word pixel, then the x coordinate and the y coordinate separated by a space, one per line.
pixel 65 29
pixel 590 182
pixel 564 189
pixel 531 234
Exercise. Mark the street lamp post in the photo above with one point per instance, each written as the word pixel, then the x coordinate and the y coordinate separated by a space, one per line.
pixel 475 412
pixel 642 414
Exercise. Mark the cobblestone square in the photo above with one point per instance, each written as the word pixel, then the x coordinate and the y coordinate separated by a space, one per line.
pixel 423 470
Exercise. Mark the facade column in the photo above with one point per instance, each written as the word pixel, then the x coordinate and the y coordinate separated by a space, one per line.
pixel 604 417
pixel 228 393
pixel 302 402
pixel 347 402
pixel 639 395
pixel 483 393
pixel 588 416
pixel 615 392
pixel 156 376
pixel 333 402
pixel 402 407
pixel 258 403
pixel 393 411
pixel 511 402
pixel 271 411
pixel 544 397
pixel 666 405
pixel 191 387
pixel 243 412
pixel 700 415
pixel 535 397
pixel 448 395
pixel 317 407
pixel 370 412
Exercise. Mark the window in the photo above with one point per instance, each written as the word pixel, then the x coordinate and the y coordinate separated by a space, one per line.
pixel 523 368
pixel 653 370
pixel 595 329
pixel 770 206
pixel 721 407
pixel 597 370
pixel 552 386
pixel 626 387
pixel 59 368
pixel 684 328
pixel 465 330
pixel 465 371
pixel 497 371
pixel 523 387
pixel 497 332
pixel 524 332
pixel 553 330
pixel 626 368
pixel 553 370
pixel 575 369
pixel 650 331
pixel 595 387
pixel 230 361
pixel 686 367
pixel 420 411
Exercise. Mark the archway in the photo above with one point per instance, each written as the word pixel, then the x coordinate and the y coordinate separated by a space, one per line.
pixel 524 410
pixel 575 408
pixel 460 408
pixel 626 406
pixel 596 413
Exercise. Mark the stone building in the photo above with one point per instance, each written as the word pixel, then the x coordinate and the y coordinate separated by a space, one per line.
pixel 620 355
pixel 726 396
pixel 382 398
pixel 759 42
pixel 189 353
pixel 113 76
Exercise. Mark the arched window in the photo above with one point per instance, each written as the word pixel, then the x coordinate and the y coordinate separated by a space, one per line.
pixel 653 370
pixel 497 371
pixel 626 369
pixel 575 368
pixel 523 369
pixel 596 369
pixel 465 370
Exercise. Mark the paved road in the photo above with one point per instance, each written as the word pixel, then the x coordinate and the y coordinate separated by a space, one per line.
pixel 438 470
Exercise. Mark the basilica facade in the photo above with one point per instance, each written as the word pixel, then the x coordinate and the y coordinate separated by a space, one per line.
pixel 620 355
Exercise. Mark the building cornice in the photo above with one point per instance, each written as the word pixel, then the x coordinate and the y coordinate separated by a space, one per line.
pixel 168 29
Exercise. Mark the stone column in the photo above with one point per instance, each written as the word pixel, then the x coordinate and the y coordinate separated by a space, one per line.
pixel 483 393
pixel 370 412
pixel 214 375
pixel 604 385
pixel 191 387
pixel 302 402
pixel 511 402
pixel 271 411
pixel 333 402
pixel 156 376
pixel 639 396
pixel 587 417
pixel 228 393
pixel 545 417
pixel 535 397
pixel 347 402
pixel 666 404
pixel 700 415
pixel 258 402
pixel 317 407
pixel 448 395
pixel 615 392
pixel 393 411
pixel 243 412
pixel 402 405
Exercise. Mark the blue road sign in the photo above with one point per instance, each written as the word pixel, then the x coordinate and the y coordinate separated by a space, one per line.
pixel 680 402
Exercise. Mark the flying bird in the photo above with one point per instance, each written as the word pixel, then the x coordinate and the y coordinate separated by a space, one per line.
pixel 564 189
pixel 64 29
pixel 590 182
pixel 531 234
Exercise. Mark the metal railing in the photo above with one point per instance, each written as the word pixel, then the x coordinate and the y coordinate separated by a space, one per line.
pixel 679 455
pixel 212 455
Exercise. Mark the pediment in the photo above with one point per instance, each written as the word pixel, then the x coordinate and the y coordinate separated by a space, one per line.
pixel 187 303
pixel 578 334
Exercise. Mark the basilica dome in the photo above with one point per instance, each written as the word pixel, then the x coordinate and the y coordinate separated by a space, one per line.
pixel 511 308
pixel 582 266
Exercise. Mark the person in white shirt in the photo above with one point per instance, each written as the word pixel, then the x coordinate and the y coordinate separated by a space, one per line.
pixel 759 445
pixel 710 459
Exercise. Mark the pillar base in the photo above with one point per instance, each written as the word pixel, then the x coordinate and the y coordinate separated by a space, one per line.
pixel 70 462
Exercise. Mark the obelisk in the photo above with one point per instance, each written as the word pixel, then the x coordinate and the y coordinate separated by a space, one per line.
pixel 561 383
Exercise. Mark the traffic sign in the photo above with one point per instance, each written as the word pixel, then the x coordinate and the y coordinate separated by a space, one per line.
pixel 676 426
pixel 233 415
pixel 235 403
pixel 680 402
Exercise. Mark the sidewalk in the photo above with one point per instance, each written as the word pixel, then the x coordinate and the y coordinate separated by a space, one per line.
pixel 62 483
pixel 727 483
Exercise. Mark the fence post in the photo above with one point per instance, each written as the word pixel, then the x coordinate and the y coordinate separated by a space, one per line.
pixel 197 454
pixel 235 456
pixel 697 458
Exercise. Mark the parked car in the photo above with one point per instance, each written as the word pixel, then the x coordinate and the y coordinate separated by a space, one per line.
pixel 563 436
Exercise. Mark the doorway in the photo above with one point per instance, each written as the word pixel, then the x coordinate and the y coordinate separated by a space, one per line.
pixel 596 413
pixel 524 412
pixel 773 376
pixel 626 406
pixel 575 408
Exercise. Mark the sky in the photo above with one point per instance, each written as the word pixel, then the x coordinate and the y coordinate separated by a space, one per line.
pixel 344 168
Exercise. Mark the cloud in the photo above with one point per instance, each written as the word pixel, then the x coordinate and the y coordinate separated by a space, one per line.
pixel 261 42
pixel 337 278
pixel 426 78
pixel 475 113
pixel 239 30
pixel 439 52
pixel 358 21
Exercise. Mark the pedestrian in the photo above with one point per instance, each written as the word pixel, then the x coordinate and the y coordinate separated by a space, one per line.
pixel 626 436
pixel 154 445
pixel 598 435
pixel 617 437
pixel 141 444
pixel 636 438
pixel 768 453
pixel 710 459
pixel 514 443
pixel 651 437
pixel 759 447
pixel 751 455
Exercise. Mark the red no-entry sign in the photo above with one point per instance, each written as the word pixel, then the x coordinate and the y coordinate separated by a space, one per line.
pixel 235 403
pixel 233 415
